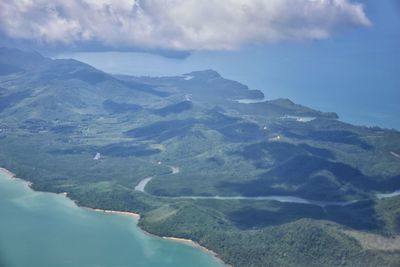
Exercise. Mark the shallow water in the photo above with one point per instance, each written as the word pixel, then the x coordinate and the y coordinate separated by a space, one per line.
pixel 44 229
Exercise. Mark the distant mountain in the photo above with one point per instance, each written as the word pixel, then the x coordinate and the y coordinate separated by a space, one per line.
pixel 21 60
pixel 261 182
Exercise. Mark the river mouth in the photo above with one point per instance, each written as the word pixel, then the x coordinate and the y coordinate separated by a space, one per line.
pixel 46 229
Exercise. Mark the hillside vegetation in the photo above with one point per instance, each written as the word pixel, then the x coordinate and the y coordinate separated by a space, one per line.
pixel 68 127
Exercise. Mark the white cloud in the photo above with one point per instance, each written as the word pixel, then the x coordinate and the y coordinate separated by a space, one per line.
pixel 176 24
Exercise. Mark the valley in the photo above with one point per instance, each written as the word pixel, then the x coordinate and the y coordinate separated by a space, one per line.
pixel 261 182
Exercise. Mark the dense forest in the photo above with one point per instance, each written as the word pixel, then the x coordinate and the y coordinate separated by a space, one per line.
pixel 68 127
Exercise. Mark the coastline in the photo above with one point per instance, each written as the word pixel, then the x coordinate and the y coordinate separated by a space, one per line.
pixel 14 176
pixel 135 216
pixel 198 246
pixel 185 241
pixel 7 172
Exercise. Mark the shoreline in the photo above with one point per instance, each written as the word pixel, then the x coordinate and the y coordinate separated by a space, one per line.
pixel 195 245
pixel 135 216
pixel 14 176
pixel 7 172
pixel 185 241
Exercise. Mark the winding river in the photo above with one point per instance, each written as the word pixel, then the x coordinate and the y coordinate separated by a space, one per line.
pixel 285 199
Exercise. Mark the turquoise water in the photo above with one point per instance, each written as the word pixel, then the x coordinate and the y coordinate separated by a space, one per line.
pixel 43 229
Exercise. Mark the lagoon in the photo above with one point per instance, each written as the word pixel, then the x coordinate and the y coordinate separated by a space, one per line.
pixel 45 229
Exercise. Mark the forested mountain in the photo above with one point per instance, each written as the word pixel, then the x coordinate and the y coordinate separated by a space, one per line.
pixel 219 157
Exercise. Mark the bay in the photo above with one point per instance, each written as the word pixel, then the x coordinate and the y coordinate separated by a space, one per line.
pixel 45 229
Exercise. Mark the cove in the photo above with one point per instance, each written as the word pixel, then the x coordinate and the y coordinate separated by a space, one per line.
pixel 45 229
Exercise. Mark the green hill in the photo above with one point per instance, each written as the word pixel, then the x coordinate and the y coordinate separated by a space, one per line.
pixel 68 127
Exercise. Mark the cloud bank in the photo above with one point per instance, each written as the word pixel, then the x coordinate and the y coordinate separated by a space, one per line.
pixel 176 24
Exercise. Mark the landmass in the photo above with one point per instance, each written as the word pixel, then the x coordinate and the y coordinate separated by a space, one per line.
pixel 70 128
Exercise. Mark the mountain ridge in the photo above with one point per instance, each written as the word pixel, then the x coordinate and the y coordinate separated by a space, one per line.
pixel 68 127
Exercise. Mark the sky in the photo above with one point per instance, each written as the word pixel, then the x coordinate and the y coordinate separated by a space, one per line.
pixel 333 55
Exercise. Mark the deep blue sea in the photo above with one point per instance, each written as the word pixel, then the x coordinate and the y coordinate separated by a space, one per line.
pixel 360 92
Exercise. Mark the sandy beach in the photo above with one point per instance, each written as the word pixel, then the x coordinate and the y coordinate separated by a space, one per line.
pixel 191 243
pixel 197 245
pixel 132 214
pixel 13 176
